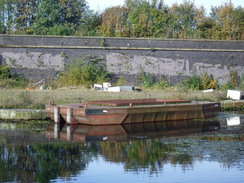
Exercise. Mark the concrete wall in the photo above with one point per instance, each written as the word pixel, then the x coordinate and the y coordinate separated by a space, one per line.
pixel 38 57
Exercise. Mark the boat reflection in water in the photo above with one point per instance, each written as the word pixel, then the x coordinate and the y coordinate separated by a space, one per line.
pixel 86 133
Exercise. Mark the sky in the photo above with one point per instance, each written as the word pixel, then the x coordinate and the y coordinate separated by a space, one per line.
pixel 99 6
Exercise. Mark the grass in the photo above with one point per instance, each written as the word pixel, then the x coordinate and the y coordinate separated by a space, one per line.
pixel 37 99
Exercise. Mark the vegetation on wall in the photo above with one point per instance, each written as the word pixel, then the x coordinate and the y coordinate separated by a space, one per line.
pixel 86 73
pixel 234 81
pixel 8 80
pixel 136 18
pixel 202 82
pixel 147 80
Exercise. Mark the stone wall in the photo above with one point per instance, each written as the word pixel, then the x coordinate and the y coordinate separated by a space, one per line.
pixel 42 57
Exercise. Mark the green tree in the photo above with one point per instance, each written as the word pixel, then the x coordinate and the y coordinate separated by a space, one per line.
pixel 2 16
pixel 114 22
pixel 59 17
pixel 183 20
pixel 229 21
pixel 89 24
pixel 24 15
pixel 7 15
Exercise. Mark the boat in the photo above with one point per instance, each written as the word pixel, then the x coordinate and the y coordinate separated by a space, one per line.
pixel 117 112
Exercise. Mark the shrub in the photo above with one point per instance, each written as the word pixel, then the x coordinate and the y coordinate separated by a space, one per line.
pixel 202 82
pixel 146 79
pixel 120 81
pixel 4 72
pixel 163 83
pixel 207 82
pixel 78 72
pixel 193 82
pixel 242 81
pixel 7 80
pixel 234 79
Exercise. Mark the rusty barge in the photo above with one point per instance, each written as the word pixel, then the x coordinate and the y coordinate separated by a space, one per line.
pixel 117 112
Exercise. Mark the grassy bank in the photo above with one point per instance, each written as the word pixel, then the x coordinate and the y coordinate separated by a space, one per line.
pixel 37 99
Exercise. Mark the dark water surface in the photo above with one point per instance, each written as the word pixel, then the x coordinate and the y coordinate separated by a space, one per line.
pixel 184 151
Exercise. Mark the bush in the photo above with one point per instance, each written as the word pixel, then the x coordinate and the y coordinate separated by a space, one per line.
pixel 163 83
pixel 242 81
pixel 193 82
pixel 120 81
pixel 234 81
pixel 207 82
pixel 77 72
pixel 202 82
pixel 4 72
pixel 146 79
pixel 7 80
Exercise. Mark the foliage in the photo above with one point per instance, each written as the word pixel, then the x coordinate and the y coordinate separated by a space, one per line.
pixel 7 80
pixel 136 18
pixel 242 81
pixel 234 81
pixel 202 82
pixel 228 22
pixel 45 17
pixel 120 81
pixel 4 72
pixel 161 84
pixel 79 72
pixel 18 82
pixel 193 82
pixel 155 19
pixel 146 79
pixel 207 82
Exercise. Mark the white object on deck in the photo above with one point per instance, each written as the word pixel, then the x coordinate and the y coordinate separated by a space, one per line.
pixel 207 91
pixel 231 121
pixel 98 87
pixel 120 88
pixel 110 88
pixel 106 86
pixel 234 94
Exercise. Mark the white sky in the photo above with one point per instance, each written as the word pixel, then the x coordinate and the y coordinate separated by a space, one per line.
pixel 103 4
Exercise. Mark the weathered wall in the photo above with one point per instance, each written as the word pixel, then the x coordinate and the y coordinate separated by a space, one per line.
pixel 38 57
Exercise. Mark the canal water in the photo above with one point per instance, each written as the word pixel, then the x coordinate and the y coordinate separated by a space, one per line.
pixel 201 151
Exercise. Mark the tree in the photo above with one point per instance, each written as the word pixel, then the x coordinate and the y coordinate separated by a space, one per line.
pixel 229 21
pixel 89 24
pixel 2 16
pixel 24 15
pixel 183 21
pixel 114 22
pixel 59 17
pixel 7 15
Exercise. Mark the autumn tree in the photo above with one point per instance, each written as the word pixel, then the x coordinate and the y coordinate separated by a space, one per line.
pixel 136 18
pixel 183 19
pixel 114 22
pixel 229 21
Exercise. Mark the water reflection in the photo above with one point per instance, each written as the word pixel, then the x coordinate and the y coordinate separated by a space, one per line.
pixel 127 132
pixel 64 152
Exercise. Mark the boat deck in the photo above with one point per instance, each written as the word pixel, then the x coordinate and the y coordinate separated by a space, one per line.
pixel 130 102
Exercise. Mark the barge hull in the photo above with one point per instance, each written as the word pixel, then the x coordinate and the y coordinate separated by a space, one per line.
pixel 107 115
